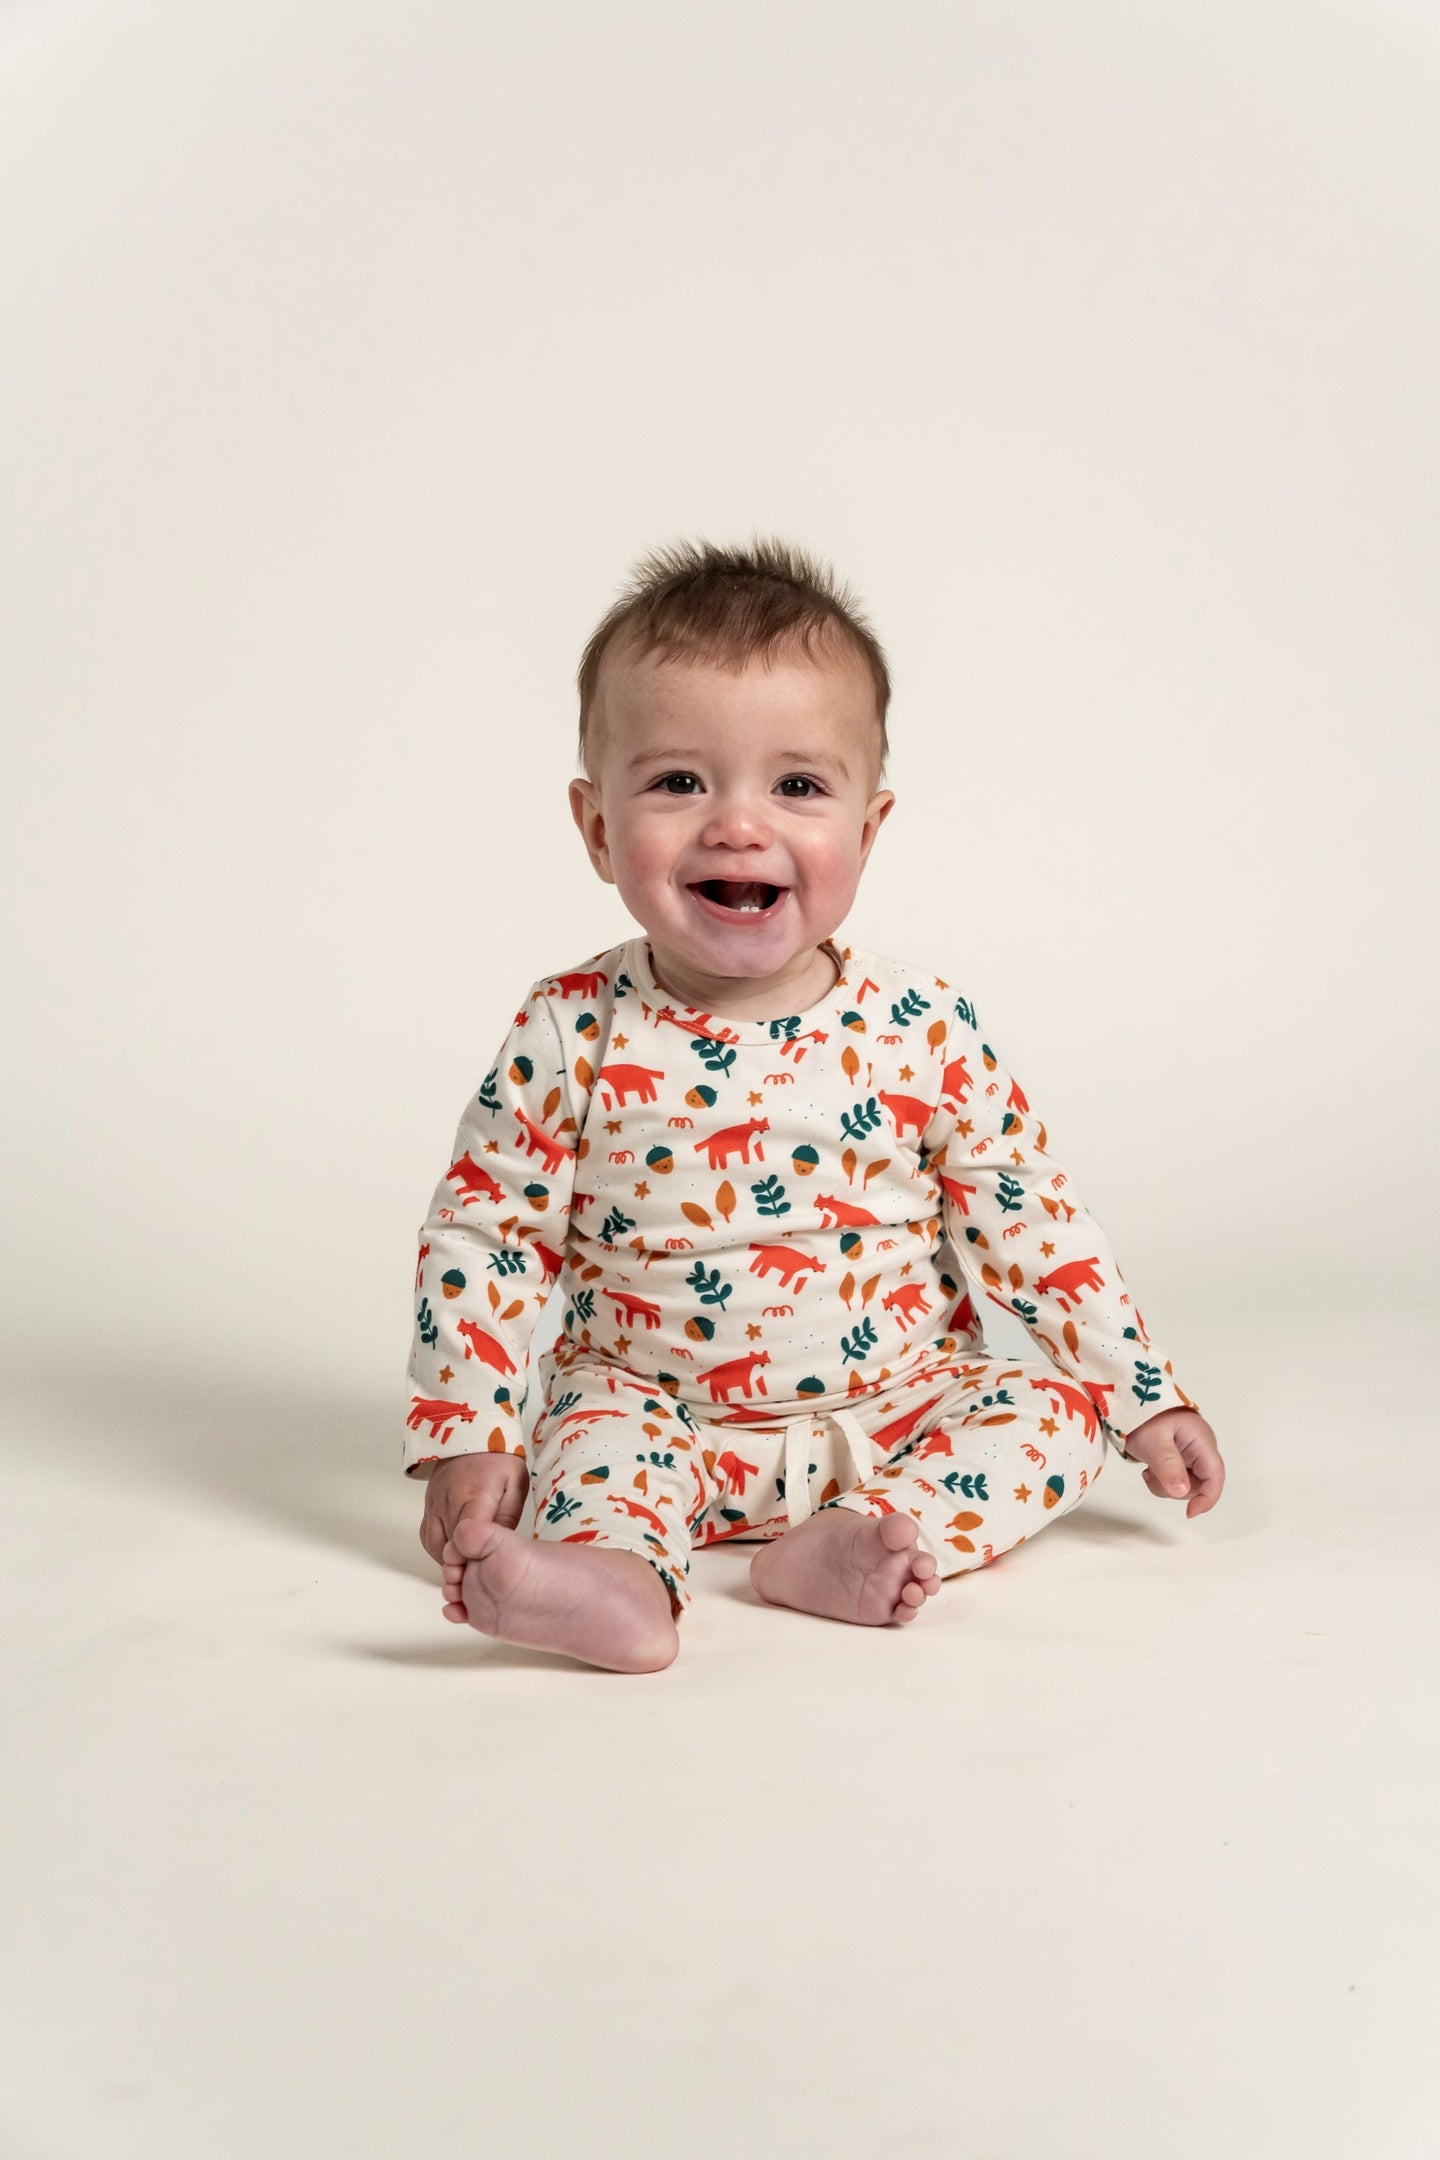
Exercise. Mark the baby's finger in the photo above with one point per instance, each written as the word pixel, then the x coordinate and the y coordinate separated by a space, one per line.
pixel 1167 1475
pixel 1209 1480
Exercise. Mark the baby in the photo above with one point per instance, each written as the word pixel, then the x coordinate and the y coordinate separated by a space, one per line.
pixel 775 1176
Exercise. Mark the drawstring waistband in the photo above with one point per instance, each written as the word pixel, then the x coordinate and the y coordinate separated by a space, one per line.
pixel 799 1432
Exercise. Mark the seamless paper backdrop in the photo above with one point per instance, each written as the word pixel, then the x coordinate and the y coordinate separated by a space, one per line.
pixel 353 352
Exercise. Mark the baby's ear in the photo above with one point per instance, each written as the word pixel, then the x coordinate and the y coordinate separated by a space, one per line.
pixel 586 811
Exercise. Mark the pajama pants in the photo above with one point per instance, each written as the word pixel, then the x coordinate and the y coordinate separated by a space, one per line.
pixel 980 1451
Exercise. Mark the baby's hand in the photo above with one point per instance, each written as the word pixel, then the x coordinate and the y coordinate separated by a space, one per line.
pixel 1181 1458
pixel 491 1488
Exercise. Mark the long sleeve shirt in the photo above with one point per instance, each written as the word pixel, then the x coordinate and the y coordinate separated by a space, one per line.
pixel 762 1216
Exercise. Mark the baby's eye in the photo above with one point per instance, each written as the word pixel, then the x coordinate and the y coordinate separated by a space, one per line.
pixel 678 783
pixel 802 783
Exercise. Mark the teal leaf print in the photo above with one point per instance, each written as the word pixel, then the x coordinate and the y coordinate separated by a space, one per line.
pixel 1029 1312
pixel 861 1120
pixel 1010 1194
pixel 716 1057
pixel 910 1008
pixel 707 1285
pixel 1147 1382
pixel 770 1197
pixel 585 1304
pixel 965 1011
pixel 562 1403
pixel 561 1509
pixel 507 1261
pixel 429 1332
pixel 969 1484
pixel 861 1343
pixel 614 1226
pixel 789 1027
pixel 488 1098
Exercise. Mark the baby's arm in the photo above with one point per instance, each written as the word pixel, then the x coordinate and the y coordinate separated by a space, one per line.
pixel 490 1247
pixel 1028 1241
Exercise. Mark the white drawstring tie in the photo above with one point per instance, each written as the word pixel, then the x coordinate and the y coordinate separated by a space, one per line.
pixel 798 1435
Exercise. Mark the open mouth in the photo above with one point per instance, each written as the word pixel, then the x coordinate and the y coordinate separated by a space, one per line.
pixel 739 896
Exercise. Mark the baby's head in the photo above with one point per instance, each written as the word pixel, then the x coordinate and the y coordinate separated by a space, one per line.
pixel 732 737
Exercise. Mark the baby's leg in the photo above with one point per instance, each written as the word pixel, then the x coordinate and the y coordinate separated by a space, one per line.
pixel 1009 1448
pixel 616 1484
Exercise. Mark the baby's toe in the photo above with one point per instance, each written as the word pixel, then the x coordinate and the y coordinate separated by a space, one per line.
pixel 922 1566
pixel 897 1531
pixel 913 1594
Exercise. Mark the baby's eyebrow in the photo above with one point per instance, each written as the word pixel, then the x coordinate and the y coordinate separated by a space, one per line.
pixel 788 758
pixel 816 757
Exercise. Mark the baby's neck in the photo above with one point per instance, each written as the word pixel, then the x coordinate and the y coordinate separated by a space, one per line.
pixel 810 976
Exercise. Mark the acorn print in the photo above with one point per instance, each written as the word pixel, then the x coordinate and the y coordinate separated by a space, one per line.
pixel 1054 1490
pixel 851 1245
pixel 853 1021
pixel 660 1160
pixel 812 1386
pixel 538 1197
pixel 521 1070
pixel 804 1160
pixel 989 1056
pixel 701 1097
pixel 452 1282
pixel 699 1329
pixel 588 1026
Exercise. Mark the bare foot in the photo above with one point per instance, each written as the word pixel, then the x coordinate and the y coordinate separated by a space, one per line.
pixel 605 1607
pixel 846 1566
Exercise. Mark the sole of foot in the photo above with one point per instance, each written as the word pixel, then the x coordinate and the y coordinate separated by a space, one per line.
pixel 844 1566
pixel 604 1607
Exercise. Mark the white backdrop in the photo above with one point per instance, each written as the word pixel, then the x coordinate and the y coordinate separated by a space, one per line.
pixel 354 351
pixel 350 354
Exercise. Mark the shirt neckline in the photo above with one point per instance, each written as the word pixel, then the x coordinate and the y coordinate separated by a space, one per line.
pixel 837 998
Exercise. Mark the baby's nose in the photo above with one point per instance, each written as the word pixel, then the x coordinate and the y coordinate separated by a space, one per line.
pixel 738 821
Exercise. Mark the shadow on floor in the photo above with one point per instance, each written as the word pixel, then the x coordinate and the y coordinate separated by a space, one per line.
pixel 289 1451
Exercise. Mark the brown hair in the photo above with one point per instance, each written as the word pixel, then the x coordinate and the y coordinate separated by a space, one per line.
pixel 729 605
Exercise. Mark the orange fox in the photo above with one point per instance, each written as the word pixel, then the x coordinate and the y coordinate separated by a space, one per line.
pixel 956 1081
pixel 628 1307
pixel 1068 1281
pixel 737 1373
pixel 960 1194
pixel 630 1080
pixel 479 1344
pixel 432 1411
pixel 471 1182
pixel 633 1507
pixel 719 1146
pixel 588 986
pixel 539 1142
pixel 890 1436
pixel 840 1212
pixel 1078 1402
pixel 907 1110
pixel 792 1267
pixel 908 1303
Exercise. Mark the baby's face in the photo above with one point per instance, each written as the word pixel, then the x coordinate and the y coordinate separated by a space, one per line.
pixel 733 811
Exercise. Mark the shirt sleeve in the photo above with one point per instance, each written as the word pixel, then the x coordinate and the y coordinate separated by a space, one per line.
pixel 1027 1241
pixel 490 1247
